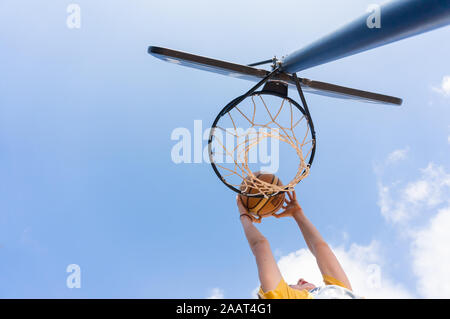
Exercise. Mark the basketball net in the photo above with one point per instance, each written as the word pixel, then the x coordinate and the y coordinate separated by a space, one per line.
pixel 252 137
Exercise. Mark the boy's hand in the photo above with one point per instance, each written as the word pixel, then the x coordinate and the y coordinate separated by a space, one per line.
pixel 291 207
pixel 243 210
pixel 241 207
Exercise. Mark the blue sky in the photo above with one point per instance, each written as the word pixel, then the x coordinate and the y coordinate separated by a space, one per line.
pixel 86 175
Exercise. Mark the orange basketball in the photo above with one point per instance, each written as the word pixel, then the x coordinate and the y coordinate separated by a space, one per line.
pixel 263 207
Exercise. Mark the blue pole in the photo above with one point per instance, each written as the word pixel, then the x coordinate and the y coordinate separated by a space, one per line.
pixel 399 20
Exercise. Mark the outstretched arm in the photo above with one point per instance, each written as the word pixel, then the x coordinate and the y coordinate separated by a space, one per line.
pixel 269 274
pixel 326 260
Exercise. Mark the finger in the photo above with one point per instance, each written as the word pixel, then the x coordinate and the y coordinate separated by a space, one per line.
pixel 295 194
pixel 277 215
pixel 282 214
pixel 239 203
pixel 287 201
pixel 290 196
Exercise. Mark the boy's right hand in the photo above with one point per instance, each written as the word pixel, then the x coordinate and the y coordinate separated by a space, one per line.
pixel 244 211
pixel 241 207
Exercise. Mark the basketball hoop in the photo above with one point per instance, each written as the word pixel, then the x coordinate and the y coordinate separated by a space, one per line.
pixel 267 114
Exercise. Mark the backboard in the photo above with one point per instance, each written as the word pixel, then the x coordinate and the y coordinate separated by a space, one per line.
pixel 255 74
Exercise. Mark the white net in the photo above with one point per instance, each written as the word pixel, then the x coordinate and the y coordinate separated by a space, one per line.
pixel 270 122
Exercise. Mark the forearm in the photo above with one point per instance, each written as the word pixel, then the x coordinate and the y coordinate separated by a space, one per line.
pixel 310 233
pixel 253 235
pixel 268 271
pixel 326 260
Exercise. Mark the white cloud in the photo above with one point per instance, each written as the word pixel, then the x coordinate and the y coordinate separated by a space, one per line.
pixel 431 256
pixel 254 293
pixel 433 189
pixel 397 155
pixel 299 264
pixel 417 191
pixel 423 201
pixel 362 264
pixel 399 204
pixel 391 210
pixel 444 89
pixel 216 293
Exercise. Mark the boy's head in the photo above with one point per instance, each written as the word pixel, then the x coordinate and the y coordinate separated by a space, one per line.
pixel 303 284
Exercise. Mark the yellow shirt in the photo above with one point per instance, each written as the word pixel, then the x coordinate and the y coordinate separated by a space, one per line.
pixel 283 291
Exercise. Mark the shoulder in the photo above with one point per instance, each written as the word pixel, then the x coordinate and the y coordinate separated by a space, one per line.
pixel 283 291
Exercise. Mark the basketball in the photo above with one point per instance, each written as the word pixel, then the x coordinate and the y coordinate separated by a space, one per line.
pixel 263 207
